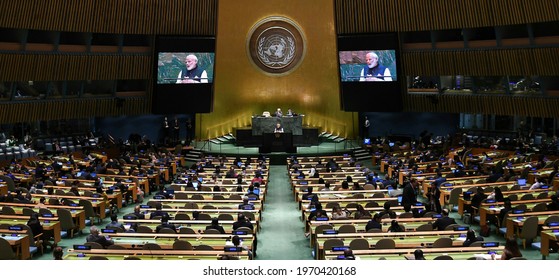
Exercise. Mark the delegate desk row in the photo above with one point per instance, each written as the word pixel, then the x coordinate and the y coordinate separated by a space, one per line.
pixel 492 209
pixel 464 198
pixel 370 208
pixel 203 214
pixel 50 223
pixel 76 213
pixel 391 240
pixel 454 253
pixel 114 195
pixel 226 220
pixel 116 254
pixel 166 241
pixel 549 239
pixel 19 242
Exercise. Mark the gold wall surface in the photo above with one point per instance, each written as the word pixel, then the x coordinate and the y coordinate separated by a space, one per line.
pixel 242 90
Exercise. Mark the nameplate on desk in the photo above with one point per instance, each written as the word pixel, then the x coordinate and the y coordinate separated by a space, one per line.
pixel 106 230
pixel 553 224
pixel 48 215
pixel 252 198
pixel 321 219
pixel 461 228
pixel 82 247
pixel 158 197
pixel 240 232
pixel 518 211
pixel 448 184
pixel 74 205
pixel 248 207
pixel 489 244
pixel 233 249
pixel 437 216
pixel 490 201
pixel 130 217
pixel 329 231
pixel 340 248
pixel 418 204
pixel 544 187
pixel 144 206
pixel 303 182
pixel 16 228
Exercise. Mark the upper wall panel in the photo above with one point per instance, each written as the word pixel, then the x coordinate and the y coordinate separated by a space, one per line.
pixel 186 17
pixel 364 16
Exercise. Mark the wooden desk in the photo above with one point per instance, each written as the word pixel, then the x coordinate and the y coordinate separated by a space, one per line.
pixel 51 225
pixel 548 236
pixel 151 254
pixel 19 241
pixel 514 223
pixel 422 239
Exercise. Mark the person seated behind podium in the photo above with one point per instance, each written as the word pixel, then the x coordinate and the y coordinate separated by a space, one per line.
pixel 94 236
pixel 279 128
pixel 165 224
pixel 246 205
pixel 290 113
pixel 279 113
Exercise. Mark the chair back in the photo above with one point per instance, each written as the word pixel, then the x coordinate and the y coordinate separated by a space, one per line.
pixel 151 246
pixel 65 218
pixel 225 217
pixel 167 230
pixel 144 229
pixel 385 243
pixel 443 257
pixel 347 229
pixel 182 245
pixel 7 210
pixel 425 227
pixel 443 242
pixel 245 229
pixel 359 244
pixel 94 245
pixel 204 217
pixel 212 231
pixel 329 243
pixel 98 258
pixel 204 247
pixel 530 228
pixel 182 216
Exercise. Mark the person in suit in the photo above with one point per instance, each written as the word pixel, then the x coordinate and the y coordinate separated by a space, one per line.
pixel 191 72
pixel 408 194
pixel 387 211
pixel 165 224
pixel 279 113
pixel 444 221
pixel 94 236
pixel 375 222
pixel 554 204
pixel 114 223
pixel 215 225
pixel 471 238
pixel 434 196
pixel 242 221
pixel 137 212
pixel 158 211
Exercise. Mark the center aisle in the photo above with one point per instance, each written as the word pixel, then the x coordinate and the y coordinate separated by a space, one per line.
pixel 283 234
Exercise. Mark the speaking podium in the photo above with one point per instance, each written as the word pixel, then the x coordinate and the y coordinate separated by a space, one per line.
pixel 277 142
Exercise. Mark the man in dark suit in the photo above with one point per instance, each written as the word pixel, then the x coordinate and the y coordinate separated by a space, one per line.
pixel 444 221
pixel 165 224
pixel 408 194
pixel 375 222
pixel 94 236
pixel 158 211
pixel 242 221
